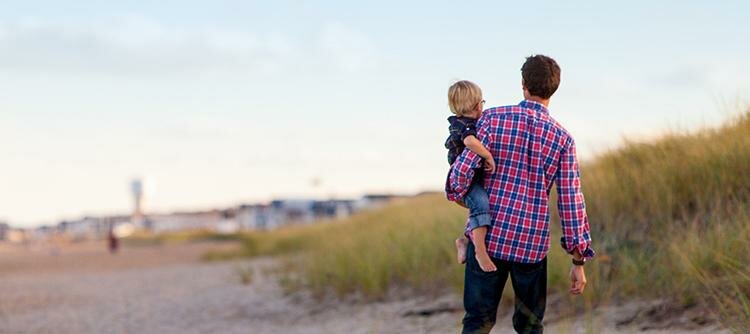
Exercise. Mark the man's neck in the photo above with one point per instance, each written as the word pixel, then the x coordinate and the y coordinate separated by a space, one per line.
pixel 538 99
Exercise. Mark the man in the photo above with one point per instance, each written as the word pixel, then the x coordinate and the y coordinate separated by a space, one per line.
pixel 532 153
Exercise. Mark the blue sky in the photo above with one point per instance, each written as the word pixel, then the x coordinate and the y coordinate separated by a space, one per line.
pixel 218 103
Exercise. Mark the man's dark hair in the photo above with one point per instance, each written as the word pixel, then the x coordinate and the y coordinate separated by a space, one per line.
pixel 541 76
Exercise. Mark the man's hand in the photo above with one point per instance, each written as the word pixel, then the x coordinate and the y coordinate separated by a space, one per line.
pixel 577 279
pixel 489 165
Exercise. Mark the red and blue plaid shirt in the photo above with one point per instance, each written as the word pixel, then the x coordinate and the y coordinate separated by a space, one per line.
pixel 532 151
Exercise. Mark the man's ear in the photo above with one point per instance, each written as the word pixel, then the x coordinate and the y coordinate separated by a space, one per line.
pixel 525 90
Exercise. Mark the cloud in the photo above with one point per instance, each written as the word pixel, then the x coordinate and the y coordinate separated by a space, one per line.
pixel 136 45
pixel 139 46
pixel 682 77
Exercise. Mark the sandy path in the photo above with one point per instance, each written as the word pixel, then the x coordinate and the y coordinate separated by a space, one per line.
pixel 168 290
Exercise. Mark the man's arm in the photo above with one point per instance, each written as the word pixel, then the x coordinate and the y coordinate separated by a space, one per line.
pixel 571 205
pixel 576 238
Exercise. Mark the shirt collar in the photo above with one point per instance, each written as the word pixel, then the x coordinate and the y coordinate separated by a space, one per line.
pixel 534 106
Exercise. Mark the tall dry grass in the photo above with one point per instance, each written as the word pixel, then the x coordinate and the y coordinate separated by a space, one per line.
pixel 673 215
pixel 711 263
pixel 643 189
pixel 670 219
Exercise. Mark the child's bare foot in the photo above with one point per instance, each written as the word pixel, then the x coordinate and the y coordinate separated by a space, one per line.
pixel 461 249
pixel 485 262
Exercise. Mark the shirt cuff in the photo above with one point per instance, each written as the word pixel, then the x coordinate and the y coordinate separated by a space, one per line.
pixel 453 195
pixel 584 247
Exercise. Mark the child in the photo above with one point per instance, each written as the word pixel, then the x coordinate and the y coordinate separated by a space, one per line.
pixel 465 101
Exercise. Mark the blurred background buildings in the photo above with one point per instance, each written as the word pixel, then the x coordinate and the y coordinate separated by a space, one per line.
pixel 249 216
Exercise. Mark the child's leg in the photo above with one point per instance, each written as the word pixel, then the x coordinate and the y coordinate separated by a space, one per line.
pixel 479 221
pixel 478 235
pixel 461 244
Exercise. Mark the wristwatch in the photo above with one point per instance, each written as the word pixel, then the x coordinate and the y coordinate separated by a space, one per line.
pixel 580 262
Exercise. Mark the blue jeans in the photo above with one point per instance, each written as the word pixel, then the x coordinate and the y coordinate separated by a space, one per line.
pixel 482 292
pixel 478 202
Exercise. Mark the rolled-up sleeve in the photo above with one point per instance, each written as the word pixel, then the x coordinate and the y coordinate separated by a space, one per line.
pixel 571 204
pixel 462 170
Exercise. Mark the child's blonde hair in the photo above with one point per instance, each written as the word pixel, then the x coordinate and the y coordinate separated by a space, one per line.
pixel 463 96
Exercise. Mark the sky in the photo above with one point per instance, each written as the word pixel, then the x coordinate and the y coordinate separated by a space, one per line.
pixel 219 103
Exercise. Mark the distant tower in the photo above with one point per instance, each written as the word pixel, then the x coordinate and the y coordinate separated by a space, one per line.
pixel 136 187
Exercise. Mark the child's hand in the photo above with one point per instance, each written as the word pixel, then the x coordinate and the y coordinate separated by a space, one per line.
pixel 489 165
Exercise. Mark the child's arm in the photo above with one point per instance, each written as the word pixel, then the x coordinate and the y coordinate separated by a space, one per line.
pixel 476 146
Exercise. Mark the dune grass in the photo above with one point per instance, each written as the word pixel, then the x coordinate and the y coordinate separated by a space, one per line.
pixel 712 264
pixel 407 243
pixel 670 219
pixel 673 217
pixel 144 238
pixel 655 187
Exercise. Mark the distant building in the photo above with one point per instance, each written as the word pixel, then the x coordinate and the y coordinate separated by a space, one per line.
pixel 254 217
pixel 292 211
pixel 373 201
pixel 186 221
pixel 275 214
pixel 285 212
pixel 4 228
pixel 336 209
pixel 84 228
pixel 43 232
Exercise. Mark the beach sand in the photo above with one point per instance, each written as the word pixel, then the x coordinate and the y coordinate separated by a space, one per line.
pixel 81 288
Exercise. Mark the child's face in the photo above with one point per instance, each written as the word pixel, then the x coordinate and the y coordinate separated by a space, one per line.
pixel 477 111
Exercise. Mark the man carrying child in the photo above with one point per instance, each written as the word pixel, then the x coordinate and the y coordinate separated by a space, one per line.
pixel 532 152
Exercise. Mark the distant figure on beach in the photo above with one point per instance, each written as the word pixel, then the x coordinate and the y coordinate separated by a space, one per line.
pixel 532 153
pixel 112 241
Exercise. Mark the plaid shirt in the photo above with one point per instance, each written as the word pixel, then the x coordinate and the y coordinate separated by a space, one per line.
pixel 532 151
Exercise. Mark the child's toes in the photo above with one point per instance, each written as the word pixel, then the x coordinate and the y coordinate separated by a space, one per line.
pixel 489 268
